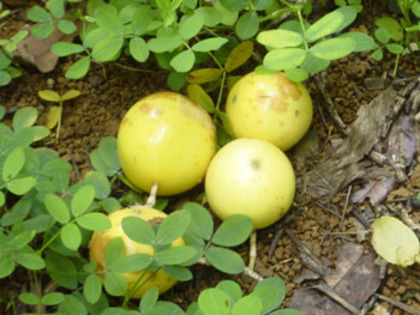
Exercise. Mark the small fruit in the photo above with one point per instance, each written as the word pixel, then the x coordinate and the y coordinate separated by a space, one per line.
pixel 167 139
pixel 269 107
pixel 101 238
pixel 250 177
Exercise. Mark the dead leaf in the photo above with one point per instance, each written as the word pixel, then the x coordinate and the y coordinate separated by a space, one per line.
pixel 37 51
pixel 375 190
pixel 52 117
pixel 205 75
pixel 355 279
pixel 197 94
pixel 395 242
pixel 239 55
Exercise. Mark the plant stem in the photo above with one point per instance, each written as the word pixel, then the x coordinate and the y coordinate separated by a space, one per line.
pixel 397 59
pixel 57 136
pixel 220 96
pixel 134 288
pixel 302 26
pixel 252 250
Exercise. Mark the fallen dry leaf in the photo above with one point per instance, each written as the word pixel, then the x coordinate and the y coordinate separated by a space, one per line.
pixel 355 279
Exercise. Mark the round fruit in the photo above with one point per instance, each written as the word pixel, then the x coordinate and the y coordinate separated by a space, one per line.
pixel 167 139
pixel 269 107
pixel 100 239
pixel 250 177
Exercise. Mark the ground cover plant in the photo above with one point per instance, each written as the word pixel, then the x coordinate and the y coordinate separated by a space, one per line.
pixel 48 222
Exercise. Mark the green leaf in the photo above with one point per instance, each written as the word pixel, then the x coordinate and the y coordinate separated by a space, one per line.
pixel 331 23
pixel 72 305
pixel 163 307
pixel 114 250
pixel 5 78
pixel 394 48
pixel 234 5
pixel 214 301
pixel 43 30
pixel 392 26
pixel 62 270
pixel 175 255
pixel 184 61
pixel 71 236
pixel 176 80
pixel 19 36
pixel 52 298
pixel 49 95
pixel 233 231
pixel 312 64
pixel 382 35
pixel 162 44
pixel 115 284
pixel 141 19
pixel 250 304
pixel 139 49
pixel 209 44
pixel 297 74
pixel 98 180
pixel 224 259
pixel 363 41
pixel 149 299
pixel 271 291
pixel 247 25
pixel 24 117
pixel 131 263
pixel 22 239
pixel 30 261
pixel 7 266
pixel 415 8
pixel 138 230
pixel 38 14
pixel 279 38
pixel 190 26
pixel 56 7
pixel 210 15
pixel 232 290
pixel 29 298
pixel 70 94
pixel 2 112
pixel 333 48
pixel 20 186
pixel 2 199
pixel 106 49
pixel 173 227
pixel 107 18
pixel 286 311
pixel 65 49
pixel 57 208
pixel 79 69
pixel 66 26
pixel 179 273
pixel 82 200
pixel 13 164
pixel 92 288
pixel 198 95
pixel 94 221
pixel 284 58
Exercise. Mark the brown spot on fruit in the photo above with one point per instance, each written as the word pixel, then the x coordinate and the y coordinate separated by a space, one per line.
pixel 255 164
pixel 289 88
pixel 297 113
pixel 234 98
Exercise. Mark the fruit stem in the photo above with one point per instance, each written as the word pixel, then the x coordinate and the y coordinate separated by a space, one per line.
pixel 252 250
pixel 151 201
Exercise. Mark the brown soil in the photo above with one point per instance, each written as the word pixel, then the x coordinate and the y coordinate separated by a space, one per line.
pixel 323 226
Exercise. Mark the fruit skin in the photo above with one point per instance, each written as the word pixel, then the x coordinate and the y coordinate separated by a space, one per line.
pixel 250 177
pixel 100 239
pixel 168 139
pixel 269 107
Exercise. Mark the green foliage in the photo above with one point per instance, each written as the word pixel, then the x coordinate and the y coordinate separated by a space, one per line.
pixel 8 70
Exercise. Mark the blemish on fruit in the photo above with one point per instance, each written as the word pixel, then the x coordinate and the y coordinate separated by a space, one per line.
pixel 297 112
pixel 234 98
pixel 289 88
pixel 255 164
